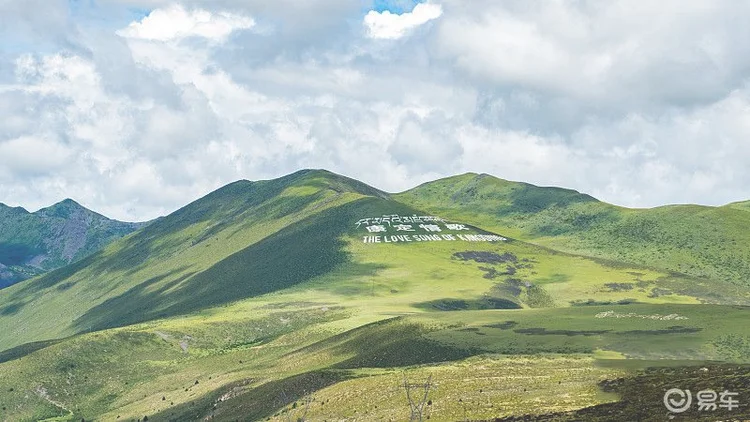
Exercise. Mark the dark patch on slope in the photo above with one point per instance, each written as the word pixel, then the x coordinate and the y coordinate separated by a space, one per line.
pixel 252 404
pixel 677 329
pixel 642 396
pixel 507 325
pixel 298 253
pixel 16 253
pixel 540 331
pixel 25 349
pixel 531 199
pixel 485 257
pixel 463 305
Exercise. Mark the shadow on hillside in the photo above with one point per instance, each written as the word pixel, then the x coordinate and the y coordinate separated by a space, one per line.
pixel 449 304
pixel 256 403
pixel 392 342
pixel 25 349
pixel 20 295
pixel 298 253
pixel 642 396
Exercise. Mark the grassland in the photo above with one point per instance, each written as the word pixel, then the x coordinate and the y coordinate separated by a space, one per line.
pixel 353 330
pixel 261 302
pixel 705 242
pixel 255 359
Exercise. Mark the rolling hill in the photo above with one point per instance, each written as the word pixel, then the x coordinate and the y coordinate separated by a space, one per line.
pixel 33 243
pixel 316 296
pixel 705 242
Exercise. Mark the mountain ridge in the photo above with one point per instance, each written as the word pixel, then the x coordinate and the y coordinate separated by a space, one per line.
pixel 254 232
pixel 35 242
pixel 703 241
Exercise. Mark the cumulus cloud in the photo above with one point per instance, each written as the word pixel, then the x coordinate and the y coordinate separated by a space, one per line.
pixel 623 54
pixel 387 25
pixel 637 103
pixel 175 22
pixel 29 156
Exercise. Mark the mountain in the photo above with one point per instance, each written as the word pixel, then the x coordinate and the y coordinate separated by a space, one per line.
pixel 314 296
pixel 33 243
pixel 705 242
pixel 278 233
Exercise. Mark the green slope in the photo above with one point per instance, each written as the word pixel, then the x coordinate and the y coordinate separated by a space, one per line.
pixel 33 243
pixel 244 302
pixel 252 238
pixel 245 239
pixel 744 205
pixel 706 242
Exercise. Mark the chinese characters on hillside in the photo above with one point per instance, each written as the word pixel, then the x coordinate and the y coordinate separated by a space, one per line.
pixel 395 228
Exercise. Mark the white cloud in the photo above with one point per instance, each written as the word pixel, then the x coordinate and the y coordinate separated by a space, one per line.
pixel 630 101
pixel 175 23
pixel 33 156
pixel 620 54
pixel 387 25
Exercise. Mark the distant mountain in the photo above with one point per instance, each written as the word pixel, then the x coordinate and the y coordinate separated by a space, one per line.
pixel 34 243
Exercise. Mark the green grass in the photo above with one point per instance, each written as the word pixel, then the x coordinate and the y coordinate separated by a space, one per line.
pixel 263 293
pixel 243 240
pixel 705 242
pixel 260 354
pixel 326 323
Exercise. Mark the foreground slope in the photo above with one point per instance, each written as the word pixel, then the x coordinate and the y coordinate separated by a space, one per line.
pixel 348 337
pixel 706 242
pixel 33 243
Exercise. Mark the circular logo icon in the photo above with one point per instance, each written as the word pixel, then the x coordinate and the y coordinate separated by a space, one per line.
pixel 678 401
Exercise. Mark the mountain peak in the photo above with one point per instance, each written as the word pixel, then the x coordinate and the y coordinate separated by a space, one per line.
pixel 64 208
pixel 68 203
pixel 20 210
pixel 326 179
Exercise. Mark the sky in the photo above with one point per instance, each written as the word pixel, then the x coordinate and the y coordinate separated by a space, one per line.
pixel 134 108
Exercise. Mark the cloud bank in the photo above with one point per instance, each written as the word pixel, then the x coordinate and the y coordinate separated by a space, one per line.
pixel 135 107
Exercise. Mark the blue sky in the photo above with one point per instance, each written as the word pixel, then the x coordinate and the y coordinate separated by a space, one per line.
pixel 92 12
pixel 141 106
pixel 394 6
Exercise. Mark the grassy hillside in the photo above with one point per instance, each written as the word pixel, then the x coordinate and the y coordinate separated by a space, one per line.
pixel 33 243
pixel 251 238
pixel 705 242
pixel 255 359
pixel 267 301
pixel 207 253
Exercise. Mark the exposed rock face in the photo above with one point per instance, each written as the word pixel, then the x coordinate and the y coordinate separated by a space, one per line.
pixel 33 243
